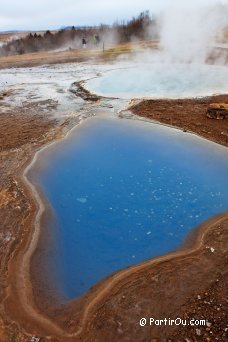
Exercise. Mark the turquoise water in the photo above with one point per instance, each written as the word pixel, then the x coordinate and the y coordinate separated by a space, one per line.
pixel 124 191
pixel 162 81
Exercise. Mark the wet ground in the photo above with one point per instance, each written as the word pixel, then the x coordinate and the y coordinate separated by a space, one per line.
pixel 36 107
pixel 189 115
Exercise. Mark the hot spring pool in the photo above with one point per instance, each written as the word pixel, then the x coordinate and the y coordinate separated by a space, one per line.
pixel 124 191
pixel 161 80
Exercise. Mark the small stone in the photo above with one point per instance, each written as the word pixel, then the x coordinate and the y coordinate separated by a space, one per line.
pixel 199 297
pixel 208 324
pixel 198 332
pixel 35 339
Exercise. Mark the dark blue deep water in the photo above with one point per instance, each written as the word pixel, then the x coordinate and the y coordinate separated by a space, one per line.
pixel 124 191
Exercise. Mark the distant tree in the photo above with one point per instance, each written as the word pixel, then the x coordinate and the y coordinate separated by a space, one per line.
pixel 142 27
pixel 47 34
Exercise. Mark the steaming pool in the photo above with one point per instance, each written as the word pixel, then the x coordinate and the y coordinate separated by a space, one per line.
pixel 161 81
pixel 123 191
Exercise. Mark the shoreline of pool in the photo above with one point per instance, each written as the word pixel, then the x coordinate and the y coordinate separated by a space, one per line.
pixel 24 267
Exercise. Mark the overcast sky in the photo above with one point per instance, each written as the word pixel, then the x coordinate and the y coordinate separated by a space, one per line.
pixel 50 14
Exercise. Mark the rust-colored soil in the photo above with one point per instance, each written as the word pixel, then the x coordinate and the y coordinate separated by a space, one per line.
pixel 187 286
pixel 23 131
pixel 189 283
pixel 187 114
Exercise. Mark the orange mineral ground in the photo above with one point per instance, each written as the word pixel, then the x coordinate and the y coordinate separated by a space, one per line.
pixel 189 283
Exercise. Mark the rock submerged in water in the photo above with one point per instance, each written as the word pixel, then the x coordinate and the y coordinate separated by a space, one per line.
pixel 82 200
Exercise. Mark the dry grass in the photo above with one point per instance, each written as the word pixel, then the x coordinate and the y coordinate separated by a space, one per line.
pixel 76 55
pixel 219 105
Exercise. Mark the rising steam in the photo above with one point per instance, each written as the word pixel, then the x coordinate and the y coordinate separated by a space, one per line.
pixel 188 33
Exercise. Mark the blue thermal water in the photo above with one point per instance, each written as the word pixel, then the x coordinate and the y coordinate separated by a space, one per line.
pixel 162 80
pixel 124 191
